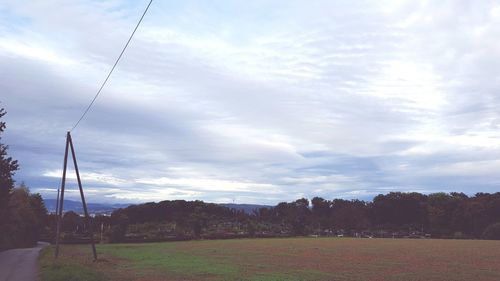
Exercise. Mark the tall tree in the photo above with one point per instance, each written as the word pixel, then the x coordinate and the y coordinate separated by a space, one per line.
pixel 321 213
pixel 8 166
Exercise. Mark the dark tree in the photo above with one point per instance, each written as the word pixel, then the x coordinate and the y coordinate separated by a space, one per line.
pixel 8 166
pixel 349 215
pixel 445 214
pixel 321 213
pixel 119 229
pixel 400 210
pixel 22 228
pixel 294 215
pixel 72 222
pixel 40 213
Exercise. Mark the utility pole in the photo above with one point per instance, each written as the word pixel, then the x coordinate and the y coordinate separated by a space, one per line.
pixel 69 145
pixel 57 203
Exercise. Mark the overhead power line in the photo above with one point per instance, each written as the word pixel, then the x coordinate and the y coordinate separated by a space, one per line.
pixel 113 68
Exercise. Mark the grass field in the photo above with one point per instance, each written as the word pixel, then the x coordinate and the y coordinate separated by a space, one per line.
pixel 279 259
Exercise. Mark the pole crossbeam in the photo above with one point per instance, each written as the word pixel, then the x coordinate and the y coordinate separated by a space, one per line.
pixel 69 145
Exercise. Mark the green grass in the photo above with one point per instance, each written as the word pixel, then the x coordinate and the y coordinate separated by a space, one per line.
pixel 279 259
pixel 164 257
pixel 65 271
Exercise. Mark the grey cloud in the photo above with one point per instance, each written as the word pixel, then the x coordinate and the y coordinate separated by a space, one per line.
pixel 331 99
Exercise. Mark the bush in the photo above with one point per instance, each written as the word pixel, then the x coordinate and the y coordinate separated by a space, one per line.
pixel 117 233
pixel 492 232
pixel 22 229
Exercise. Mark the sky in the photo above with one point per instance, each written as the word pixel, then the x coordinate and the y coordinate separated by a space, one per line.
pixel 253 101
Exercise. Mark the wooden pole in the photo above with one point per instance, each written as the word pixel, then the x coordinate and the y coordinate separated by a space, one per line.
pixel 57 203
pixel 87 217
pixel 61 202
pixel 57 209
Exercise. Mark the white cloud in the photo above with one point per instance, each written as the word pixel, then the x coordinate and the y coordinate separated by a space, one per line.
pixel 212 185
pixel 11 47
pixel 90 177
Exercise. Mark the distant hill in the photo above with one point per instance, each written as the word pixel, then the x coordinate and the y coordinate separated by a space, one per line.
pixel 248 208
pixel 77 207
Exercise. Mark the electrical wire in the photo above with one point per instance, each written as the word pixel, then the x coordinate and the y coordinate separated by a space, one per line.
pixel 112 69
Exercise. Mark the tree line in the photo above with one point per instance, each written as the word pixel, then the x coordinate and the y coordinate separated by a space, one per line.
pixel 396 214
pixel 23 216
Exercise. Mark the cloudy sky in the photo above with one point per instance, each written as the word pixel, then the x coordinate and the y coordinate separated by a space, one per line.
pixel 254 101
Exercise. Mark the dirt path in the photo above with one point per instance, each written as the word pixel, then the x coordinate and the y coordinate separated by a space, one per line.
pixel 20 264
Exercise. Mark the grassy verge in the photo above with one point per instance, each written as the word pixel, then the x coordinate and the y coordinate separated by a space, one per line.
pixel 65 269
